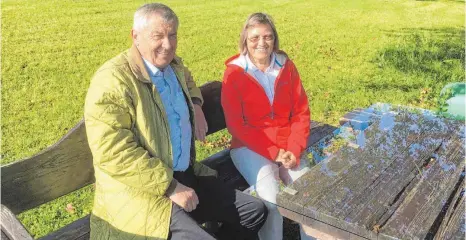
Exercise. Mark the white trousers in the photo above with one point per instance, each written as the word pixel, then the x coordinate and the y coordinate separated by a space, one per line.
pixel 264 176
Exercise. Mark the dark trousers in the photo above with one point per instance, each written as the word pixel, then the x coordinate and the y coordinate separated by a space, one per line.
pixel 241 215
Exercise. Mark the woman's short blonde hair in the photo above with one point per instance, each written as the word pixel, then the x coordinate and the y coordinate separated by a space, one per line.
pixel 255 19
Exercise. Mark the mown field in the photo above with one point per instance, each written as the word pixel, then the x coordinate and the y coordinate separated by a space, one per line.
pixel 349 54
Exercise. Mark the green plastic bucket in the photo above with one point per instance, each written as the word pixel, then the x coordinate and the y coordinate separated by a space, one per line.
pixel 453 100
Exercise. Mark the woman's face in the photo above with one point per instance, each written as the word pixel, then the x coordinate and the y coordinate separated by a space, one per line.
pixel 260 42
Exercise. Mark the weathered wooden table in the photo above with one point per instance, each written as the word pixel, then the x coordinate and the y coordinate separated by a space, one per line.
pixel 388 173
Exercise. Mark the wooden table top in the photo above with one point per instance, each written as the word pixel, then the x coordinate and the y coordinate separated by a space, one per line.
pixel 401 177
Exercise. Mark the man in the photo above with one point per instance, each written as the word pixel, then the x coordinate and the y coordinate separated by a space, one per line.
pixel 141 111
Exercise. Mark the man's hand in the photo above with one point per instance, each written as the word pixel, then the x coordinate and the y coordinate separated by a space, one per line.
pixel 289 160
pixel 184 197
pixel 201 124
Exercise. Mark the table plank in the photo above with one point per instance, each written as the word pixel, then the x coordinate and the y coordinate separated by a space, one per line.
pixel 385 193
pixel 453 225
pixel 371 162
pixel 338 166
pixel 319 131
pixel 314 185
pixel 417 214
pixel 356 190
pixel 323 171
pixel 365 165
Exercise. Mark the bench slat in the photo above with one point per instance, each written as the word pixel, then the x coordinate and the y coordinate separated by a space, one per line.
pixel 60 169
pixel 4 236
pixel 77 230
pixel 12 229
pixel 67 165
pixel 212 106
pixel 319 131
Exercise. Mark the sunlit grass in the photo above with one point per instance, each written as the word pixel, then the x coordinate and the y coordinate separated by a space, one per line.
pixel 349 54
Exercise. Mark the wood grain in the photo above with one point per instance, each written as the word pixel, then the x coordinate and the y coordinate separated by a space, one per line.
pixel 11 227
pixel 60 169
pixel 364 190
pixel 78 229
pixel 415 216
pixel 67 165
pixel 453 225
pixel 4 236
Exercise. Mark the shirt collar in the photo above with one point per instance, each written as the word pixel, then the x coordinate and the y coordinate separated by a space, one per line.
pixel 153 70
pixel 252 67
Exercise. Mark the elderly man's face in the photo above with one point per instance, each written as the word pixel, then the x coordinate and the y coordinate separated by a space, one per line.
pixel 157 41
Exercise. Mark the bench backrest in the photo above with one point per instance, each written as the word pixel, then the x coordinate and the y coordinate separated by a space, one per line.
pixel 67 165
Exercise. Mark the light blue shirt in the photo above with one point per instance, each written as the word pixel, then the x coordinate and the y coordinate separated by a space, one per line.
pixel 176 108
pixel 267 78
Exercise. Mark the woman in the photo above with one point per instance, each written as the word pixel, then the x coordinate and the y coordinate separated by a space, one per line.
pixel 267 113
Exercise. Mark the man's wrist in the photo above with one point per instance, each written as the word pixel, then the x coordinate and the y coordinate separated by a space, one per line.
pixel 171 188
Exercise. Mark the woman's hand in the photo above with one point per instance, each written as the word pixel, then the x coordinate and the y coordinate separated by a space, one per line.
pixel 279 158
pixel 288 159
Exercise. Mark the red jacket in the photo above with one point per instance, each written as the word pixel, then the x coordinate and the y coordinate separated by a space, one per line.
pixel 255 123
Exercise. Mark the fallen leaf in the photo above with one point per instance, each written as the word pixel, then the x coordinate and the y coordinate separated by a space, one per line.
pixel 425 90
pixel 69 208
pixel 208 144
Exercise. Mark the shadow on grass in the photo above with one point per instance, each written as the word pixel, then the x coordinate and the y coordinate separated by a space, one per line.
pixel 432 55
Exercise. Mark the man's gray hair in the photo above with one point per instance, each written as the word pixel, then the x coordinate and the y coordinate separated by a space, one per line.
pixel 254 19
pixel 143 13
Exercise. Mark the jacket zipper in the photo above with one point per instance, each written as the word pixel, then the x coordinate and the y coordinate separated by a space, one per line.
pixel 272 114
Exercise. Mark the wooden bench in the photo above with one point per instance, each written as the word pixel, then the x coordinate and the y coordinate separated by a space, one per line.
pixel 67 166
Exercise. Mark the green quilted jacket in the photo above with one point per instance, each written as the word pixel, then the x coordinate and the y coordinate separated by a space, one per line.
pixel 128 133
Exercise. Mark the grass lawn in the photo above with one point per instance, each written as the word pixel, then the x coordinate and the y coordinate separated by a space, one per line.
pixel 349 54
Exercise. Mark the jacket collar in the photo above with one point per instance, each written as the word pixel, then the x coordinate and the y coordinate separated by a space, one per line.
pixel 279 59
pixel 246 63
pixel 138 68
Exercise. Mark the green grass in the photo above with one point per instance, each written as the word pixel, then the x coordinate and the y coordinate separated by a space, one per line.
pixel 349 54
